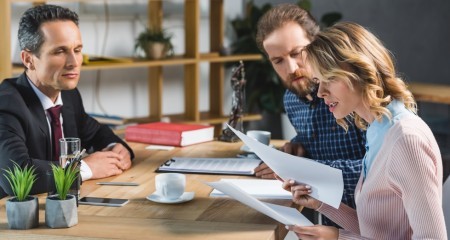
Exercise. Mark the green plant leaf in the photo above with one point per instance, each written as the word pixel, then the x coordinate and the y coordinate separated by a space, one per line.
pixel 21 180
pixel 330 18
pixel 305 4
pixel 154 35
pixel 64 178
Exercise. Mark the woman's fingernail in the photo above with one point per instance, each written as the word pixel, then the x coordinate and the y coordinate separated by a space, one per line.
pixel 308 187
pixel 291 181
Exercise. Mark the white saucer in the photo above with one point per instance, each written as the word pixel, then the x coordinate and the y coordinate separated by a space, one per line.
pixel 245 148
pixel 187 196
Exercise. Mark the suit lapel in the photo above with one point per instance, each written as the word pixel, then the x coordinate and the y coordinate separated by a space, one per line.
pixel 68 114
pixel 35 107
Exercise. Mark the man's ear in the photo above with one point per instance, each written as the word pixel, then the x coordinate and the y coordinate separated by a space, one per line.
pixel 27 59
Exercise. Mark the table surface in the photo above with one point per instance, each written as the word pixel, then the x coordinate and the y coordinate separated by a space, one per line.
pixel 201 218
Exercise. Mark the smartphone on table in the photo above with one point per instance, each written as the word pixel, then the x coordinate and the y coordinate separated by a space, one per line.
pixel 100 201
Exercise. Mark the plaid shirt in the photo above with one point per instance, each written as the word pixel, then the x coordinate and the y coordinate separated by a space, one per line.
pixel 325 141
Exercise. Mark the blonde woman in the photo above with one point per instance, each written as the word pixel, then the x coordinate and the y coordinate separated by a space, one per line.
pixel 399 193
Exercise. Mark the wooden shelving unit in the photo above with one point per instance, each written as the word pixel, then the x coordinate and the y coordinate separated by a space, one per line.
pixel 190 61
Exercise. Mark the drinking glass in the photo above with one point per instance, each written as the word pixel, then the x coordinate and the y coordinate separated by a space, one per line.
pixel 69 151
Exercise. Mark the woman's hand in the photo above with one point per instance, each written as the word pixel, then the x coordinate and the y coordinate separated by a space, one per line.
pixel 315 232
pixel 300 194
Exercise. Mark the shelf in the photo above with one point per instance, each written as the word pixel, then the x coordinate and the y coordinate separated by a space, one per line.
pixel 215 57
pixel 131 63
pixel 176 60
pixel 205 117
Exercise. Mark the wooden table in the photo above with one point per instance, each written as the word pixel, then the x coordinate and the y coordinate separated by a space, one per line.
pixel 201 218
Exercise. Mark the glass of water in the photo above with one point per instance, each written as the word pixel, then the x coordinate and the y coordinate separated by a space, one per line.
pixel 69 149
pixel 69 152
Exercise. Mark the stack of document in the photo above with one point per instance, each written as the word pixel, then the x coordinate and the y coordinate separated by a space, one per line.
pixel 282 214
pixel 258 188
pixel 232 166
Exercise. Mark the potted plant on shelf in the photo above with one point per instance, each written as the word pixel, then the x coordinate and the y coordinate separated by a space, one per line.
pixel 61 208
pixel 22 210
pixel 155 43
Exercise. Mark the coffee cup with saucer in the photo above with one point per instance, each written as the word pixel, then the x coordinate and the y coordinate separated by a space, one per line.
pixel 170 189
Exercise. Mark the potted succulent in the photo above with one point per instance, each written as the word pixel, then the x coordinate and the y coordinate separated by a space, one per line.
pixel 61 208
pixel 155 43
pixel 22 210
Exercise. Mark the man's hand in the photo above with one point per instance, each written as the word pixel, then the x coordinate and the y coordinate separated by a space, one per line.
pixel 294 149
pixel 104 164
pixel 263 171
pixel 125 161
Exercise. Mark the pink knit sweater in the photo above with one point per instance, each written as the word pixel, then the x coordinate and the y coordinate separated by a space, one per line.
pixel 401 197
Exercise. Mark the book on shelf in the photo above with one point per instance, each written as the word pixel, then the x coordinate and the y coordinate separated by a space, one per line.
pixel 108 119
pixel 170 134
pixel 93 59
pixel 227 166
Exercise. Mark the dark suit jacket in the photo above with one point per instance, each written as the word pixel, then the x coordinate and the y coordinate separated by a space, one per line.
pixel 25 136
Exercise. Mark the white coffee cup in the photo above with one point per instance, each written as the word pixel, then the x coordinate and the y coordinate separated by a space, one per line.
pixel 170 185
pixel 260 136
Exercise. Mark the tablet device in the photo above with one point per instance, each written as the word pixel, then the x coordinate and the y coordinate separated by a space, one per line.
pixel 98 201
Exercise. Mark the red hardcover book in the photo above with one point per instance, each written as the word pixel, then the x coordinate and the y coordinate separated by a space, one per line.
pixel 171 134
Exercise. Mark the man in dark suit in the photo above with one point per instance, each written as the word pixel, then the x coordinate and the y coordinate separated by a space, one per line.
pixel 51 52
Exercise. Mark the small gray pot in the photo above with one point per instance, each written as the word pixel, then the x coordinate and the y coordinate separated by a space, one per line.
pixel 61 213
pixel 22 215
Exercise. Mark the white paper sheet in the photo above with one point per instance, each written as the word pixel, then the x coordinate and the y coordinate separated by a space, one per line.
pixel 257 188
pixel 284 215
pixel 326 183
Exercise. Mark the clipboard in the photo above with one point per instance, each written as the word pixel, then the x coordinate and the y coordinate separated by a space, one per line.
pixel 221 166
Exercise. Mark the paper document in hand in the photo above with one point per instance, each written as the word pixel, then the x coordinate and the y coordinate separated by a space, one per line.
pixel 326 183
pixel 284 215
pixel 258 188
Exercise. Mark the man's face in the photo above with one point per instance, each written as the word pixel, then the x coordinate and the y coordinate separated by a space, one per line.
pixel 284 48
pixel 58 65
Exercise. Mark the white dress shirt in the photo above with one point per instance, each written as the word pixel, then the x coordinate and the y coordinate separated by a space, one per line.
pixel 85 170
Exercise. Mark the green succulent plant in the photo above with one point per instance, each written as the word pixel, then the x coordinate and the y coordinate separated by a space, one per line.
pixel 64 178
pixel 154 35
pixel 21 180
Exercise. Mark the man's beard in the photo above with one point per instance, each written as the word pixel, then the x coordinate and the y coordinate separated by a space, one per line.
pixel 302 88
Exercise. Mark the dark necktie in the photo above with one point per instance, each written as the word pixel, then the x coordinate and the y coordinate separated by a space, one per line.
pixel 54 113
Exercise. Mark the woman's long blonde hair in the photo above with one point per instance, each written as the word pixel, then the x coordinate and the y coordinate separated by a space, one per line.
pixel 348 45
